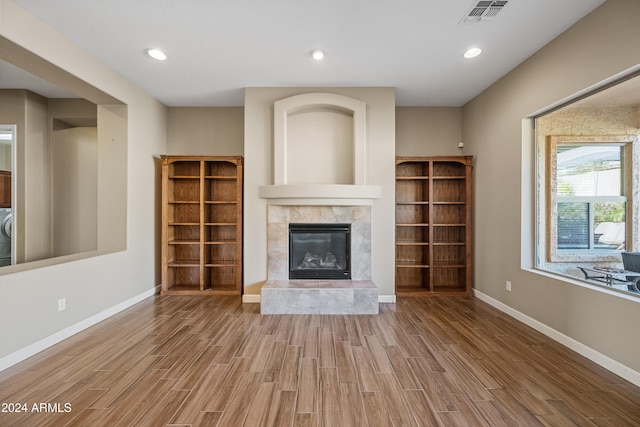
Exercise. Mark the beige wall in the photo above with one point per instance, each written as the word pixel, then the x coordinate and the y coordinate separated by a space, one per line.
pixel 32 212
pixel 319 147
pixel 34 171
pixel 601 45
pixel 5 156
pixel 99 285
pixel 428 131
pixel 205 131
pixel 74 199
pixel 69 112
pixel 73 153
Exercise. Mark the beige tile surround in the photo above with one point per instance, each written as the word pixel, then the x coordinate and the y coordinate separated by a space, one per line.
pixel 279 295
pixel 279 218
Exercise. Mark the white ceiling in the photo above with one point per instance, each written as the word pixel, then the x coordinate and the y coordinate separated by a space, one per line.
pixel 216 48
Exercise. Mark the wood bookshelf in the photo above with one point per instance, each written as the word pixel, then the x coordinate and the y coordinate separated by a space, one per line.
pixel 202 225
pixel 433 225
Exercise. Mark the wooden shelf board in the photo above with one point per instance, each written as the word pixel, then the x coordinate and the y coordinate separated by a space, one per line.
pixel 184 264
pixel 406 243
pixel 437 291
pixel 413 225
pixel 227 177
pixel 413 292
pixel 411 265
pixel 219 264
pixel 434 293
pixel 218 289
pixel 194 290
pixel 183 290
pixel 457 291
pixel 184 242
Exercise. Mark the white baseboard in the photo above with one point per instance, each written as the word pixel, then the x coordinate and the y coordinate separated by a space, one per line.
pixel 32 349
pixel 251 299
pixel 591 354
pixel 255 299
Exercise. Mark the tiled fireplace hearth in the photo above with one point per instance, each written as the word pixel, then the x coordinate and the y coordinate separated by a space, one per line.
pixel 280 295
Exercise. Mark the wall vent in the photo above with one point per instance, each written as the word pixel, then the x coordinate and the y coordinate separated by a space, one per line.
pixel 484 10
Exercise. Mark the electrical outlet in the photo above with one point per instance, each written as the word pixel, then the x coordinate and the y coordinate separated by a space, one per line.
pixel 508 286
pixel 62 304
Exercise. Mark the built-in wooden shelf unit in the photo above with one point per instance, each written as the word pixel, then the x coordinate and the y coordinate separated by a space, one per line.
pixel 433 225
pixel 202 225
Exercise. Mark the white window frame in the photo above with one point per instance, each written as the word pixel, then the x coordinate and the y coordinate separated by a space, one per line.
pixel 631 169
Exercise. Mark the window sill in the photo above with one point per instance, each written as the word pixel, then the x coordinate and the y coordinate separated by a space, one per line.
pixel 584 257
pixel 585 284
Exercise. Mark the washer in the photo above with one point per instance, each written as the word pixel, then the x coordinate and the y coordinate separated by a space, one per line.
pixel 6 222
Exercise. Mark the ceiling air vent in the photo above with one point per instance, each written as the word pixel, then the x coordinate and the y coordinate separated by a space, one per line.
pixel 484 10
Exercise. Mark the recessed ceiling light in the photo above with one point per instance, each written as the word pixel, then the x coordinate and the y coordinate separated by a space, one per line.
pixel 157 54
pixel 473 52
pixel 317 54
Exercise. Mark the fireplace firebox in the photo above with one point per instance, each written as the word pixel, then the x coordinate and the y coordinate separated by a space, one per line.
pixel 319 251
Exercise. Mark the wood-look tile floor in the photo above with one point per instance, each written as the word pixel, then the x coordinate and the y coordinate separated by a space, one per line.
pixel 213 361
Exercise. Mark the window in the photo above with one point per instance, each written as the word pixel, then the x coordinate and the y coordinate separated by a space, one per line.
pixel 588 206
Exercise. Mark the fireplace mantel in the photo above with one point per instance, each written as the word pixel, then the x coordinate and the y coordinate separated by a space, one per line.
pixel 319 192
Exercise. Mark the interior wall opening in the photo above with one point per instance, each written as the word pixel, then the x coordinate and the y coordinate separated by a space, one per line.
pixel 588 187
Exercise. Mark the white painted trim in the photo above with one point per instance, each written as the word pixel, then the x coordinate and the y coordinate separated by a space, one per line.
pixel 384 299
pixel 32 349
pixel 319 202
pixel 321 191
pixel 591 354
pixel 251 299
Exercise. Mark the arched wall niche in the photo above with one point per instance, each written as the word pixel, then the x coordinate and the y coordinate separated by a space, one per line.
pixel 338 149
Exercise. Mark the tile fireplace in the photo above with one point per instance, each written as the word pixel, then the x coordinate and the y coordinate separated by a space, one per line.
pixel 324 233
pixel 320 157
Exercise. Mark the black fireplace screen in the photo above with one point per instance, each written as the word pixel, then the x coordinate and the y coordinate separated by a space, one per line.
pixel 319 251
